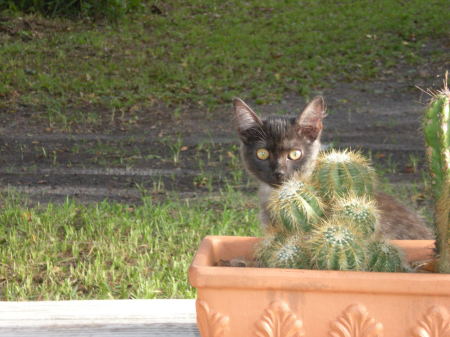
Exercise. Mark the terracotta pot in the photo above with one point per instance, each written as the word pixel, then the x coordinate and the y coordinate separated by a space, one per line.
pixel 271 302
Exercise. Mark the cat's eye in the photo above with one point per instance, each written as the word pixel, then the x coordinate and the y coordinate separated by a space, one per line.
pixel 295 154
pixel 262 154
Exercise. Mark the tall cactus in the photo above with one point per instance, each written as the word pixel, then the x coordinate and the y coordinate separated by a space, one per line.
pixel 341 172
pixel 437 138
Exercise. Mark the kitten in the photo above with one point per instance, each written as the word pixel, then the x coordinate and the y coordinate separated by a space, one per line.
pixel 275 148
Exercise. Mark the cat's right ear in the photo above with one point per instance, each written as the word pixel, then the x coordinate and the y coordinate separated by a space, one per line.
pixel 310 120
pixel 245 118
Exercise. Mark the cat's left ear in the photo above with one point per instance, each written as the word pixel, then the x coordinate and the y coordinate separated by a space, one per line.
pixel 245 117
pixel 310 120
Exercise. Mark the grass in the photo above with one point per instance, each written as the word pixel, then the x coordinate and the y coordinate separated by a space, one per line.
pixel 204 53
pixel 110 250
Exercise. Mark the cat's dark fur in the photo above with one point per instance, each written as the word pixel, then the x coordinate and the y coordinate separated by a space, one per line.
pixel 280 135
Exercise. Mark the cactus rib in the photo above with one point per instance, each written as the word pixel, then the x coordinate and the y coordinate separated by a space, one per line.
pixel 340 172
pixel 383 257
pixel 295 206
pixel 437 138
pixel 337 247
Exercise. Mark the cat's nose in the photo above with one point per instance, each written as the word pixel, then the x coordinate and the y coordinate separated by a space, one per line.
pixel 279 175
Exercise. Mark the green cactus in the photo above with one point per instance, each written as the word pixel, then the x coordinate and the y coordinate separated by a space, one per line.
pixel 437 138
pixel 338 247
pixel 281 251
pixel 341 172
pixel 359 211
pixel 334 234
pixel 290 254
pixel 384 257
pixel 265 249
pixel 295 206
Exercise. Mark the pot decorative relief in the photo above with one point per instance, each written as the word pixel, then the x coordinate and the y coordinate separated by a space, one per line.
pixel 271 302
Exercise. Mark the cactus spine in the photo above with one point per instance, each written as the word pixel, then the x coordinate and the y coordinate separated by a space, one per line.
pixel 290 254
pixel 295 206
pixel 340 172
pixel 358 211
pixel 279 251
pixel 265 249
pixel 338 247
pixel 383 257
pixel 437 139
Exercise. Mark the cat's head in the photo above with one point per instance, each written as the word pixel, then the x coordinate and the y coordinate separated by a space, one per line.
pixel 275 148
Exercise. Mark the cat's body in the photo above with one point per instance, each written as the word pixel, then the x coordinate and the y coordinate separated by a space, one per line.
pixel 275 148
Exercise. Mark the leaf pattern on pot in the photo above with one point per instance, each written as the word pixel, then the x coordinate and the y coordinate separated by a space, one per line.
pixel 210 323
pixel 435 323
pixel 356 322
pixel 279 321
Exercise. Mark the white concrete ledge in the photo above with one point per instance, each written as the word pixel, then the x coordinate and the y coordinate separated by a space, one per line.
pixel 168 318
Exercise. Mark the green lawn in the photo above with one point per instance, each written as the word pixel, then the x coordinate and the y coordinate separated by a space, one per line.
pixel 111 250
pixel 204 52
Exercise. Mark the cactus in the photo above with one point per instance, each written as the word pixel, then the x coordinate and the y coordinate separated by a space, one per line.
pixel 336 233
pixel 290 254
pixel 384 257
pixel 337 246
pixel 295 206
pixel 358 211
pixel 340 172
pixel 280 251
pixel 265 249
pixel 437 138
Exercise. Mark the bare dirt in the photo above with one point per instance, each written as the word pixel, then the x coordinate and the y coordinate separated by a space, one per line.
pixel 194 152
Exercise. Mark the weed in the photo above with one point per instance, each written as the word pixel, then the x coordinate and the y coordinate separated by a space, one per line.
pixel 392 165
pixel 414 162
pixel 175 147
pixel 54 158
pixel 204 180
pixel 158 186
pixel 44 152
